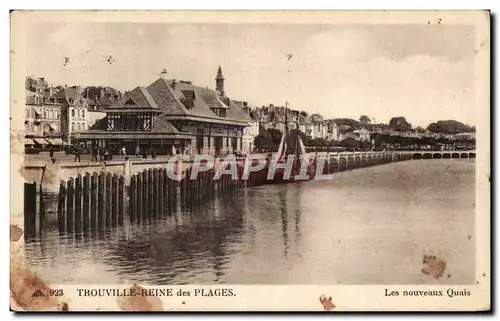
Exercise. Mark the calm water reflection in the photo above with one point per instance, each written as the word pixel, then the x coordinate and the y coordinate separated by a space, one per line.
pixel 370 225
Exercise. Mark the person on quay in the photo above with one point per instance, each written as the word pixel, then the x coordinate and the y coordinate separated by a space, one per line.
pixel 95 151
pixel 76 151
pixel 153 153
pixel 124 151
pixel 137 151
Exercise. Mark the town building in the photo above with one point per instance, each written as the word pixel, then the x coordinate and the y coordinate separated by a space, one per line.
pixel 171 116
pixel 363 134
pixel 52 121
pixel 42 123
pixel 73 113
pixel 250 132
pixel 332 130
pixel 33 114
pixel 318 128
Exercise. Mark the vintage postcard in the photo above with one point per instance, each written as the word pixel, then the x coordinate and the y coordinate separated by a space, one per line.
pixel 250 161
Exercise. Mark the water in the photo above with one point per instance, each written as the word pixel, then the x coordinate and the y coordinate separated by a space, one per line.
pixel 367 226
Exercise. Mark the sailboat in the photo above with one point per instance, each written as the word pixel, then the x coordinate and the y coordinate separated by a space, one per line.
pixel 300 160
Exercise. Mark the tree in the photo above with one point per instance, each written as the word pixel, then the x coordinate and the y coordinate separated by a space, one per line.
pixel 399 124
pixel 420 129
pixel 30 83
pixel 449 127
pixel 366 145
pixel 365 120
pixel 349 143
pixel 349 122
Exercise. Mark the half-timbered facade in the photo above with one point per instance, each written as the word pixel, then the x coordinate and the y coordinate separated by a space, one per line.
pixel 172 116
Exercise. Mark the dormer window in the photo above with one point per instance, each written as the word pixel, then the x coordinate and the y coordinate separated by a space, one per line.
pixel 221 112
pixel 187 102
pixel 189 94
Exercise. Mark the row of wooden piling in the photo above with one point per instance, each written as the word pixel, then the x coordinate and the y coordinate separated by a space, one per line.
pixel 91 201
pixel 153 193
pixel 348 163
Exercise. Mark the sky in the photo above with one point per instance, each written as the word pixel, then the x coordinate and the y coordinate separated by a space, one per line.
pixel 422 72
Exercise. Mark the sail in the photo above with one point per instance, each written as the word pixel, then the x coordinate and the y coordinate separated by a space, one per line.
pixel 302 147
pixel 282 148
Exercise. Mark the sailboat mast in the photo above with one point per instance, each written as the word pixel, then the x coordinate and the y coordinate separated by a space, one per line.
pixel 285 133
pixel 297 138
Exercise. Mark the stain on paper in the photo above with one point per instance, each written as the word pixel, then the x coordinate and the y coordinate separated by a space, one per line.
pixel 433 266
pixel 15 233
pixel 327 303
pixel 28 292
pixel 140 301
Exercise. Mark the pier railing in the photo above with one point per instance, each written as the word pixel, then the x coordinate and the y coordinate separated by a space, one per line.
pixel 101 200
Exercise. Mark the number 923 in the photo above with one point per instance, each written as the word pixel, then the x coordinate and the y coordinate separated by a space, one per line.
pixel 56 292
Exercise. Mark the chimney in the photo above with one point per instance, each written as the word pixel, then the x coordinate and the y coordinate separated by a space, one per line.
pixel 245 104
pixel 173 83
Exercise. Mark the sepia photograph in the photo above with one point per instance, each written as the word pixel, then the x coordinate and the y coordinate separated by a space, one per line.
pixel 164 160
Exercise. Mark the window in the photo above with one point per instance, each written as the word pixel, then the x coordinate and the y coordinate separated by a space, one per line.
pixel 72 113
pixel 57 115
pixel 72 127
pixel 28 112
pixel 83 113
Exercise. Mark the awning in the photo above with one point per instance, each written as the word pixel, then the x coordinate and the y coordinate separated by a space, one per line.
pixel 51 126
pixel 54 141
pixel 38 141
pixel 38 110
pixel 28 141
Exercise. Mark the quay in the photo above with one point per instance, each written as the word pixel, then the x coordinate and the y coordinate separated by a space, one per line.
pixel 84 196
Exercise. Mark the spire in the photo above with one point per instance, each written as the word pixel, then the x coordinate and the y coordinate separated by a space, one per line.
pixel 219 82
pixel 219 74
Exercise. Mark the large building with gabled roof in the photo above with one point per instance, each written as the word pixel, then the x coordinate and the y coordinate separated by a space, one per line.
pixel 170 115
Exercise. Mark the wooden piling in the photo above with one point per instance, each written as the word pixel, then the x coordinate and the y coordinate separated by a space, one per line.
pixel 70 205
pixel 161 198
pixel 114 200
pixel 165 190
pixel 78 204
pixel 121 194
pixel 150 193
pixel 132 197
pixel 86 202
pixel 30 208
pixel 108 201
pixel 101 222
pixel 140 191
pixel 93 200
pixel 61 208
pixel 154 212
pixel 41 216
pixel 145 198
